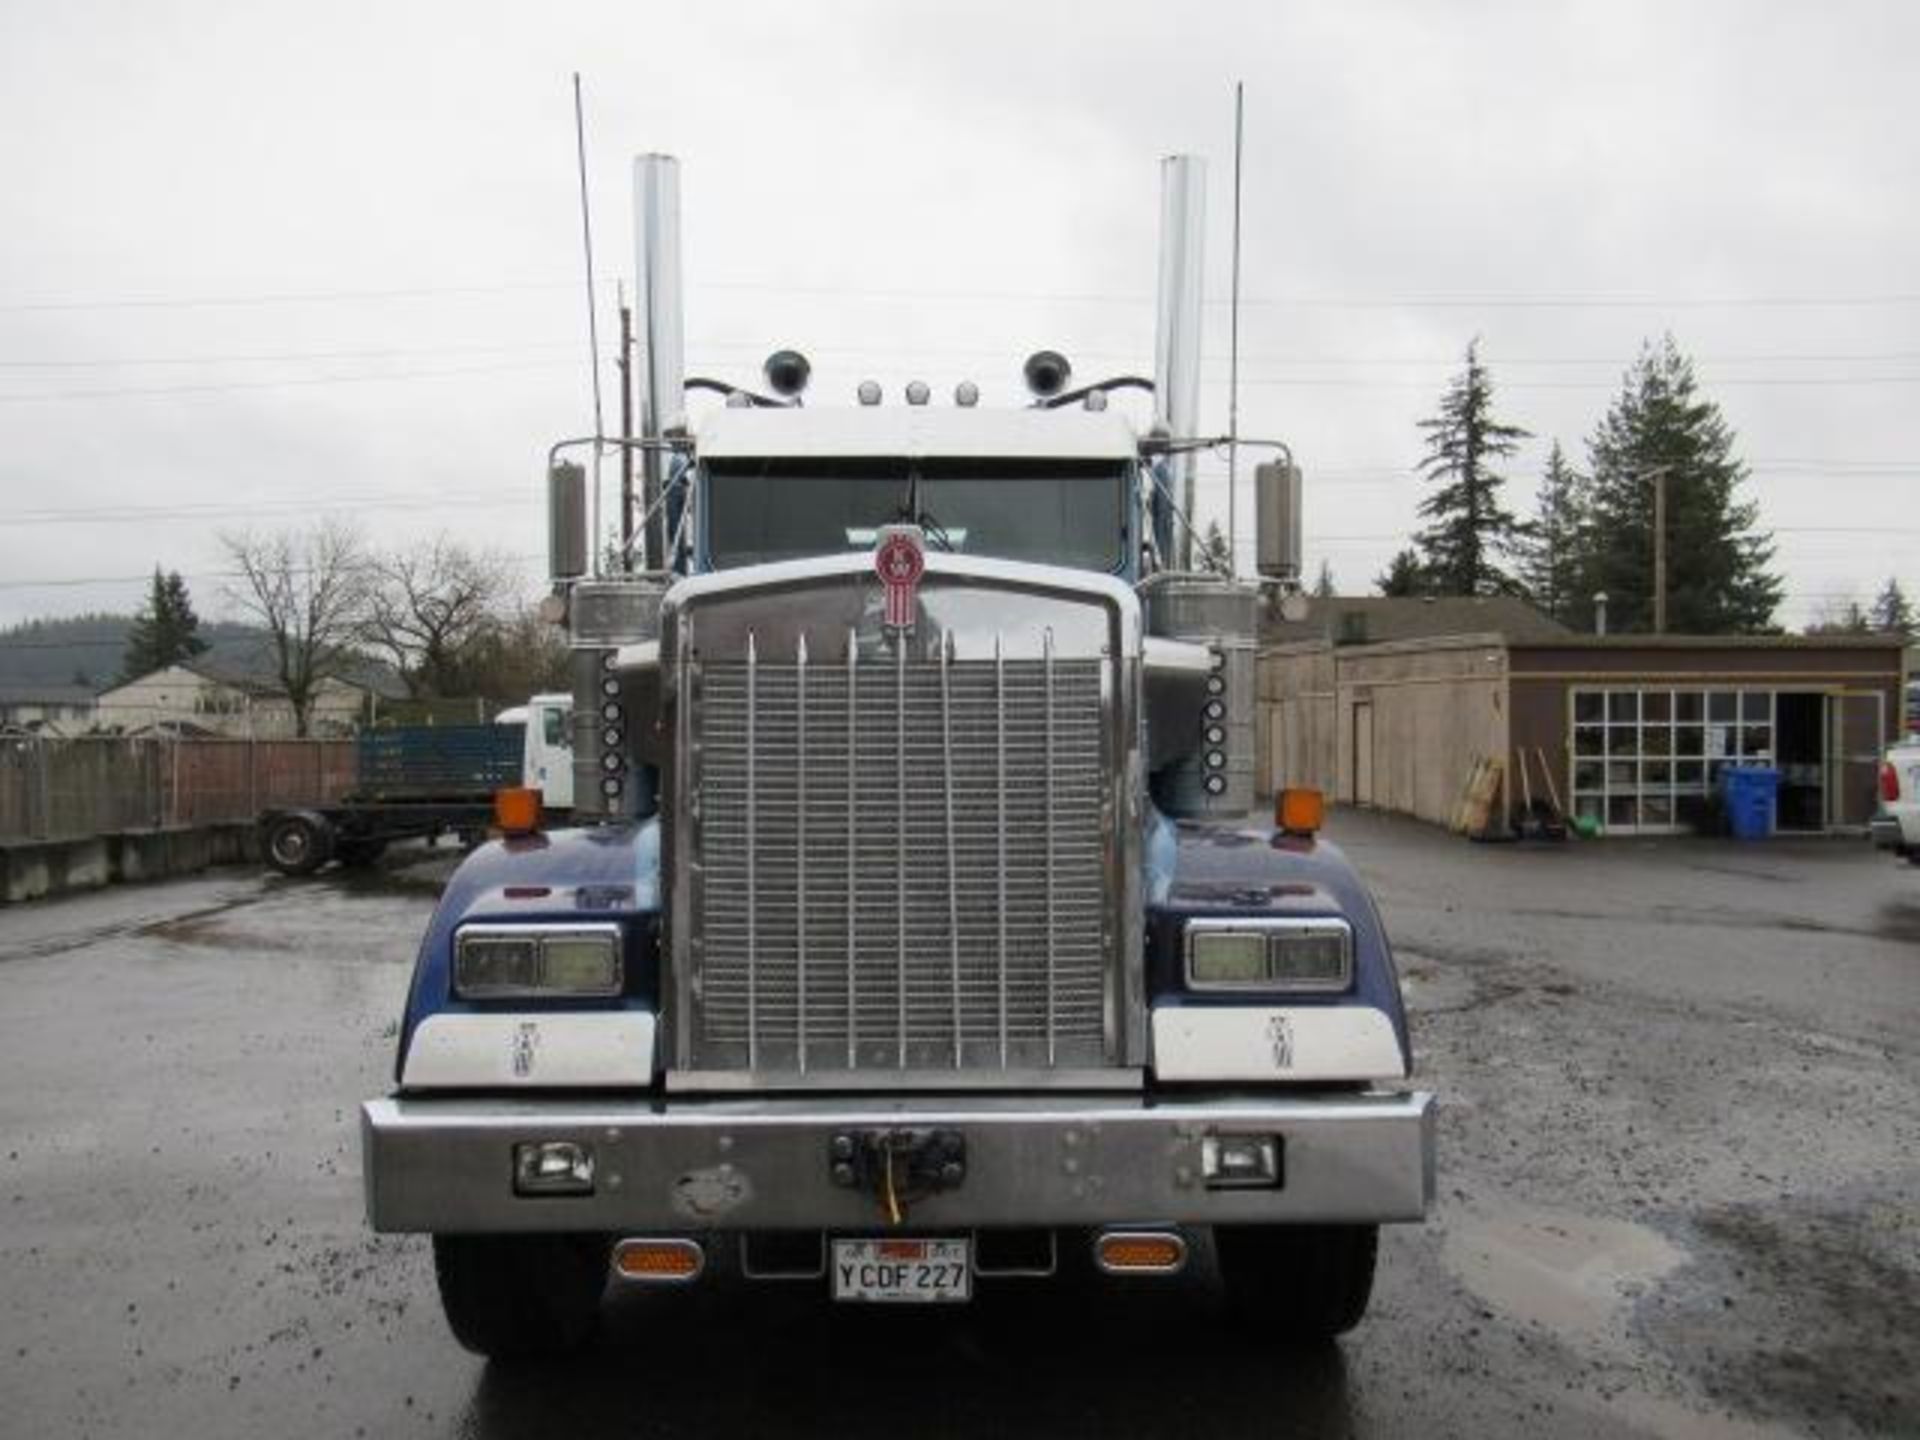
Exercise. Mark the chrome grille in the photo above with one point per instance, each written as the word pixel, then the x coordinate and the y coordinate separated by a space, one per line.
pixel 901 861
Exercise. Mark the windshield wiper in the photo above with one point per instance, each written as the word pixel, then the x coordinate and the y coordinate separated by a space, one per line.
pixel 911 512
pixel 936 532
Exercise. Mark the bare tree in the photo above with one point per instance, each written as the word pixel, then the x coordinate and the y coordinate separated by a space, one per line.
pixel 430 607
pixel 523 655
pixel 307 589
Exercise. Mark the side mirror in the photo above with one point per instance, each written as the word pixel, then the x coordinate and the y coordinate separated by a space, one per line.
pixel 566 521
pixel 1276 490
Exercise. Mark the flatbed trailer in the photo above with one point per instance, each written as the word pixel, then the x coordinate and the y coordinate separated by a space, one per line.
pixel 414 782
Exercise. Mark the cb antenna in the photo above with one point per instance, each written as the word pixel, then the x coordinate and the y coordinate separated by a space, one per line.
pixel 1233 355
pixel 593 323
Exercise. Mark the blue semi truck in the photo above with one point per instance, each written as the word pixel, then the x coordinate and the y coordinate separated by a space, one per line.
pixel 921 928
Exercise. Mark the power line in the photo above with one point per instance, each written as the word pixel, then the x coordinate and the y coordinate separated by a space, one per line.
pixel 298 505
pixel 127 362
pixel 1720 382
pixel 385 500
pixel 1859 300
pixel 218 387
pixel 293 381
pixel 281 297
pixel 387 352
pixel 1349 302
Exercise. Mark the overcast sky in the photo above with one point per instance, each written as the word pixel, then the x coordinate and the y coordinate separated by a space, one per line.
pixel 265 260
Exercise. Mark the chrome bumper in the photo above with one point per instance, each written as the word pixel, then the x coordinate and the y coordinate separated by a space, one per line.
pixel 445 1165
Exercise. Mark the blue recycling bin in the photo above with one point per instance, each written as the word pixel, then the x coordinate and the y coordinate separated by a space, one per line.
pixel 1750 796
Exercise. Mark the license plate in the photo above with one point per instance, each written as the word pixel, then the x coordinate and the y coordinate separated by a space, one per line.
pixel 903 1272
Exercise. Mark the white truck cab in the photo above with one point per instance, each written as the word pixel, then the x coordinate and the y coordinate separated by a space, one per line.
pixel 548 763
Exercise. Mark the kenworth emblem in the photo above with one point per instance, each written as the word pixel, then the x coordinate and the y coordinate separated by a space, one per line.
pixel 900 559
pixel 1280 1037
pixel 526 1040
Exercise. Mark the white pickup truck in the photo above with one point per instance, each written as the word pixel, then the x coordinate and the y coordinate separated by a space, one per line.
pixel 1897 826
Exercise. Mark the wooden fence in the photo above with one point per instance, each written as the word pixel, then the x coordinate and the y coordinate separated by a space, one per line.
pixel 67 789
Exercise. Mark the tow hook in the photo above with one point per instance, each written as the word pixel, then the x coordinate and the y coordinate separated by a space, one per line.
pixel 897 1166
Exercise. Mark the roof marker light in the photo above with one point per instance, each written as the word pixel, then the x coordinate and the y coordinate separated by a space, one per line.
pixel 918 393
pixel 869 392
pixel 1046 373
pixel 966 394
pixel 787 372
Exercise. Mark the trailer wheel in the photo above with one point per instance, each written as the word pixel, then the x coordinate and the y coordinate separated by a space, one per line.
pixel 1298 1282
pixel 298 844
pixel 516 1297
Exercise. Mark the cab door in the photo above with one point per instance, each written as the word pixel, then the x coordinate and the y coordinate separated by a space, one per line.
pixel 549 760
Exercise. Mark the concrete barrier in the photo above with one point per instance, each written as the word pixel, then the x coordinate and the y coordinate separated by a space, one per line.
pixel 31 869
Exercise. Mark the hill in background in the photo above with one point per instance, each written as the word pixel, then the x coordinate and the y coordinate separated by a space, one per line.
pixel 60 652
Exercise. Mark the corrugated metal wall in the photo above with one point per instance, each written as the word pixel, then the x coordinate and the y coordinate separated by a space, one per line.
pixel 1421 713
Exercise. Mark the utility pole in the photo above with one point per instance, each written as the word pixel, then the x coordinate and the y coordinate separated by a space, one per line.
pixel 1658 475
pixel 626 427
pixel 1660 552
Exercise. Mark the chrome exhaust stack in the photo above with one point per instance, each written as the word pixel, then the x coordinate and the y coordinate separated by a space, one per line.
pixel 1176 346
pixel 660 325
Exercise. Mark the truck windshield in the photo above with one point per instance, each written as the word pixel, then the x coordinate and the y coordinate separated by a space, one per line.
pixel 1049 512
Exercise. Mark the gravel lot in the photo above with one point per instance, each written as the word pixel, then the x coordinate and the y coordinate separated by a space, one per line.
pixel 1680 1188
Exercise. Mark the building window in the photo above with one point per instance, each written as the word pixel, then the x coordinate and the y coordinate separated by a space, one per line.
pixel 1645 760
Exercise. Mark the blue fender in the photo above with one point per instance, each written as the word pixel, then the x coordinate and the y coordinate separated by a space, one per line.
pixel 607 872
pixel 1235 869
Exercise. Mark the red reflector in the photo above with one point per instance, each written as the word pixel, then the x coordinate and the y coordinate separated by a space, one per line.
pixel 527 892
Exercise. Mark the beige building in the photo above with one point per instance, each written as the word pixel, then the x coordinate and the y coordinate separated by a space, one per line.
pixel 194 697
pixel 45 709
pixel 1394 703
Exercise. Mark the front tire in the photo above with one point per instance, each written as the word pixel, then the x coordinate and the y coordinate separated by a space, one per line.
pixel 1299 1282
pixel 518 1297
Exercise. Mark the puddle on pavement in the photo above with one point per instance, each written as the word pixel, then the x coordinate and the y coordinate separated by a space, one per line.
pixel 1572 1274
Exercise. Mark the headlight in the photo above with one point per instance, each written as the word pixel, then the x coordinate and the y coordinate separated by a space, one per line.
pixel 1278 954
pixel 536 960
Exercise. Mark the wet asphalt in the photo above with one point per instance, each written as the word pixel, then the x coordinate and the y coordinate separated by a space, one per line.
pixel 1679 1188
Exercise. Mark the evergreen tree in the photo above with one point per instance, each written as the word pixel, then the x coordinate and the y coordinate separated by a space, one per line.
pixel 1719 579
pixel 1404 576
pixel 165 632
pixel 1323 586
pixel 1551 546
pixel 1893 611
pixel 1471 530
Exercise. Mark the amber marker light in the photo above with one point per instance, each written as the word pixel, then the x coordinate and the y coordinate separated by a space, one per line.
pixel 659 1260
pixel 1299 811
pixel 1137 1252
pixel 516 810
